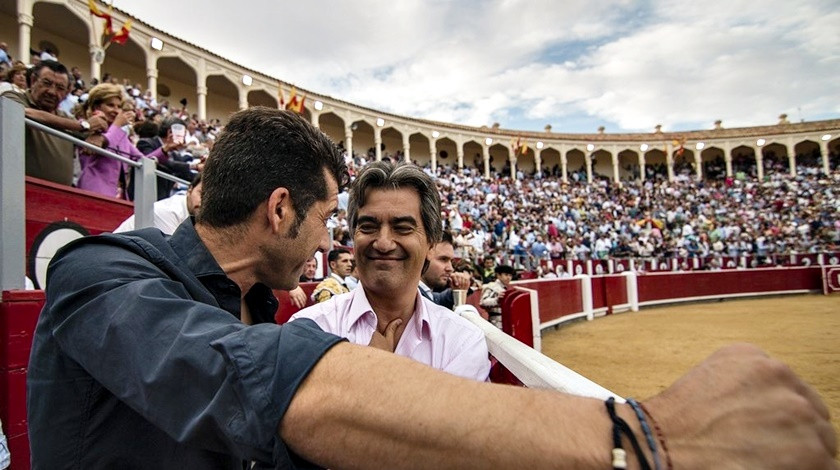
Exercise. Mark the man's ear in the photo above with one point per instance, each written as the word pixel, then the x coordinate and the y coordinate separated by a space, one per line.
pixel 279 210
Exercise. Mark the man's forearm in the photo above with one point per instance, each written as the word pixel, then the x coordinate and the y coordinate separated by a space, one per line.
pixel 54 121
pixel 361 407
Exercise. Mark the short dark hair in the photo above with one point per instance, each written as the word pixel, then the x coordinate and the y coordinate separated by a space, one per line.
pixel 334 254
pixel 387 176
pixel 446 237
pixel 262 149
pixel 56 67
pixel 505 269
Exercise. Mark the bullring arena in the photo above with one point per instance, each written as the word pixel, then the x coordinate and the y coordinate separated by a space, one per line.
pixel 639 354
pixel 672 243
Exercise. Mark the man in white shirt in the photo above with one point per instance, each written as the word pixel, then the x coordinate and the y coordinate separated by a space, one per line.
pixel 394 214
pixel 170 212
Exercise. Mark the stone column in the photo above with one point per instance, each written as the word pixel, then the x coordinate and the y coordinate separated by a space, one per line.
pixel 616 176
pixel 564 165
pixel 95 66
pixel 201 94
pixel 824 149
pixel 759 163
pixel 152 76
pixel 377 143
pixel 588 160
pixel 513 167
pixel 791 154
pixel 243 97
pixel 406 148
pixel 698 165
pixel 642 169
pixel 348 140
pixel 460 150
pixel 538 161
pixel 315 119
pixel 669 161
pixel 433 154
pixel 486 150
pixel 25 22
pixel 727 158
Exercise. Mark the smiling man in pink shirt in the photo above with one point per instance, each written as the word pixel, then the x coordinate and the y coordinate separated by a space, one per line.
pixel 394 214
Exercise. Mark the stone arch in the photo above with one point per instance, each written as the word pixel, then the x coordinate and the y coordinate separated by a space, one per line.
pixel 261 97
pixel 602 164
pixel 363 139
pixel 62 26
pixel 447 153
pixel 499 159
pixel 222 97
pixel 743 160
pixel 775 158
pixel 576 165
pixel 420 149
pixel 127 62
pixel 551 164
pixel 474 155
pixel 714 163
pixel 628 165
pixel 332 125
pixel 392 144
pixel 655 164
pixel 808 154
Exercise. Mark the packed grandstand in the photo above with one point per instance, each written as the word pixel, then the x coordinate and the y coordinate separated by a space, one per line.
pixel 534 200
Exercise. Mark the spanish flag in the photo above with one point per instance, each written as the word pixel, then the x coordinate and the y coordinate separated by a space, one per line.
pixel 122 36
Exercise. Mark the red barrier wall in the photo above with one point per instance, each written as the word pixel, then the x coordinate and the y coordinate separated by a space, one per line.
pixel 557 297
pixel 664 286
pixel 19 312
pixel 608 291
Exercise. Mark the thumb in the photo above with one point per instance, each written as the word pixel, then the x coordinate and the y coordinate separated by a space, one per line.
pixel 391 329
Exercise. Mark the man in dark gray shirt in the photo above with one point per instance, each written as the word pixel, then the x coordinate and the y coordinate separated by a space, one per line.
pixel 156 352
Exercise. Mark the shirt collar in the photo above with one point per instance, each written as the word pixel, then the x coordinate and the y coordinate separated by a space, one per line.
pixel 189 247
pixel 360 310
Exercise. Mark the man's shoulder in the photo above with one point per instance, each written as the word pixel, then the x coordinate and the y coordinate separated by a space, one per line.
pixel 16 96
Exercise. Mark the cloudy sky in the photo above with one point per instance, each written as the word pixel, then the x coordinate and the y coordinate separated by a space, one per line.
pixel 626 65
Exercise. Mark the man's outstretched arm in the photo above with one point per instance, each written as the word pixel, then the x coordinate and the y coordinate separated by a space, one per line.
pixel 363 408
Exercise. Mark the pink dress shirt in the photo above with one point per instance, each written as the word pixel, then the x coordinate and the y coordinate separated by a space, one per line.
pixel 434 336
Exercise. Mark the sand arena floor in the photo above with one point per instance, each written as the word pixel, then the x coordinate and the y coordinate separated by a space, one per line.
pixel 639 354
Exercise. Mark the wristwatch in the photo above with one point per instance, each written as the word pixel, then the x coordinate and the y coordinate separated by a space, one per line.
pixel 85 125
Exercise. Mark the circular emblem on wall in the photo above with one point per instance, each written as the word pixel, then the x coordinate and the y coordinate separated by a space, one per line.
pixel 46 244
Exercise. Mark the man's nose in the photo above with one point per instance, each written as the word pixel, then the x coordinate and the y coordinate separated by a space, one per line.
pixel 325 244
pixel 384 241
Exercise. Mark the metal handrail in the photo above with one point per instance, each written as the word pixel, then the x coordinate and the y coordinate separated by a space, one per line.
pixel 13 123
pixel 99 150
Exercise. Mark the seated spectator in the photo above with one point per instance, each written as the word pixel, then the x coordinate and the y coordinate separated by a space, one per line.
pixel 340 262
pixel 14 79
pixel 170 212
pixel 49 157
pixel 178 164
pixel 492 293
pixel 394 214
pixel 439 278
pixel 310 268
pixel 102 174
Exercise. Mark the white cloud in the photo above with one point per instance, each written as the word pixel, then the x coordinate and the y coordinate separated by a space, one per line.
pixel 634 64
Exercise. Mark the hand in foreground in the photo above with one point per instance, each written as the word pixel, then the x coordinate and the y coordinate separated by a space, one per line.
pixel 741 409
pixel 460 280
pixel 298 297
pixel 98 124
pixel 388 340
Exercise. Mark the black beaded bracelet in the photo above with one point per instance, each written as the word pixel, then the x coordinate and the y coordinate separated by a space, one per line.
pixel 619 456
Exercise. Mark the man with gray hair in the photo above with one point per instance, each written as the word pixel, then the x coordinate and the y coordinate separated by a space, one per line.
pixel 394 213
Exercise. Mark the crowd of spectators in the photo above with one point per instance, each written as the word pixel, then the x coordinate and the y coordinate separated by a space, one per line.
pixel 537 217
pixel 149 118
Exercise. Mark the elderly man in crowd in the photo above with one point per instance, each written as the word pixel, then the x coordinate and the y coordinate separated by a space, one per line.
pixel 49 157
pixel 395 220
pixel 211 382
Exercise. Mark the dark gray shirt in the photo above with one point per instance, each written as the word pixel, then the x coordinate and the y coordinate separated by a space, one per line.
pixel 140 361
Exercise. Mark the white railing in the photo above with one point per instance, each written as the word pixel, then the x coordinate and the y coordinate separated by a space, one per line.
pixel 531 367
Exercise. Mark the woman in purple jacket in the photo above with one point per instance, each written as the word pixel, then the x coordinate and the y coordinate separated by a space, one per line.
pixel 105 175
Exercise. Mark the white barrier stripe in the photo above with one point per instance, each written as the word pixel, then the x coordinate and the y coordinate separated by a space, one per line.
pixel 534 369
